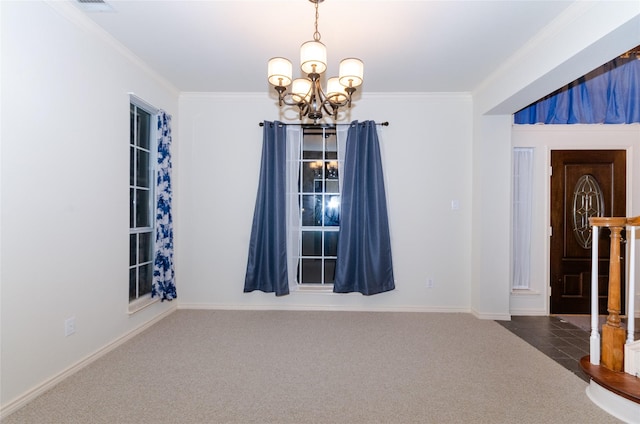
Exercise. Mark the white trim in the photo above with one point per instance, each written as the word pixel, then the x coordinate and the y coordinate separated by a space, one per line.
pixel 146 106
pixel 328 308
pixel 493 317
pixel 529 312
pixel 79 18
pixel 619 407
pixel 141 303
pixel 142 105
pixel 525 292
pixel 377 95
pixel 48 384
pixel 465 95
pixel 315 288
pixel 224 95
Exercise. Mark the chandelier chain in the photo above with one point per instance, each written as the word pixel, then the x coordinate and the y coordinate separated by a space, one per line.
pixel 316 34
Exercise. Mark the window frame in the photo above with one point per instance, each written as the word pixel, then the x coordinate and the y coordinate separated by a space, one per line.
pixel 324 132
pixel 141 301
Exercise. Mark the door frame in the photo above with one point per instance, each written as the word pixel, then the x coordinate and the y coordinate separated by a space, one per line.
pixel 591 158
pixel 628 182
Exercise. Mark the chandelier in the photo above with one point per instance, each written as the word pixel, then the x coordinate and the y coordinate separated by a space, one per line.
pixel 307 93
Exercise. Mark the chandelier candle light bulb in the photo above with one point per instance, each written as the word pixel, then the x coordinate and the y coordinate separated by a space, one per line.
pixel 307 93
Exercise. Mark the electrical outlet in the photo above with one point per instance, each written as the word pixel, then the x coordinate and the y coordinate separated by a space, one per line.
pixel 69 326
pixel 430 283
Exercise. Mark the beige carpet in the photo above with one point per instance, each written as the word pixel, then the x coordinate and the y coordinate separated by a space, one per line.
pixel 319 367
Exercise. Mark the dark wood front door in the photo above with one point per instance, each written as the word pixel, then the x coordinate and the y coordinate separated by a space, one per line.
pixel 584 183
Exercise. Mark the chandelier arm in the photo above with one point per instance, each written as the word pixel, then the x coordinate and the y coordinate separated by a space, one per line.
pixel 315 97
pixel 292 99
pixel 349 91
pixel 289 99
pixel 323 100
pixel 333 100
pixel 318 100
pixel 330 107
pixel 329 104
pixel 281 93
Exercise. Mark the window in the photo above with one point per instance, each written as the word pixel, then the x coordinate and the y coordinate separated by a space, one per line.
pixel 319 197
pixel 522 199
pixel 141 217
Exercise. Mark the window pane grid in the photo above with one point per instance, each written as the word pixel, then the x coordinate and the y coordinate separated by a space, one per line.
pixel 140 204
pixel 319 198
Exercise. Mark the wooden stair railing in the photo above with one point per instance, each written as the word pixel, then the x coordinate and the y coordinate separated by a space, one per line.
pixel 613 335
pixel 611 387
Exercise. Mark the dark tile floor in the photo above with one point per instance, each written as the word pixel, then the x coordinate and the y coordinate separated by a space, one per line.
pixel 558 339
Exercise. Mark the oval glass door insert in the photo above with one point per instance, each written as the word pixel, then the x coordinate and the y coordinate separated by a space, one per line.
pixel 588 201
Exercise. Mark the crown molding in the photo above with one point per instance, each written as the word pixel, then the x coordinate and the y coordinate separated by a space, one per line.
pixel 76 16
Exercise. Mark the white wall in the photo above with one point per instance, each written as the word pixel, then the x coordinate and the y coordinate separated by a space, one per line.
pixel 544 138
pixel 427 161
pixel 491 214
pixel 64 166
pixel 65 201
pixel 587 35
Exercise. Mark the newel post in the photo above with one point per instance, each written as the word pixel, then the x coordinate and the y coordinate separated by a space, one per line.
pixel 613 336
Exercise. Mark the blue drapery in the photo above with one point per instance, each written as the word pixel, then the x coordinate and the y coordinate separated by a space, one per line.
pixel 608 95
pixel 163 271
pixel 267 263
pixel 364 246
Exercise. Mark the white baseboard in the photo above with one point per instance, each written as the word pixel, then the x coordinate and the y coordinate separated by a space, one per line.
pixel 492 317
pixel 22 400
pixel 529 312
pixel 347 308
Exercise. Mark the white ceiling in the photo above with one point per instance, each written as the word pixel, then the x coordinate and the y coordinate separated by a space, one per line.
pixel 407 46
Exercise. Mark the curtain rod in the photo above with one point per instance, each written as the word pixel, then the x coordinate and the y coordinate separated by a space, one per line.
pixel 383 124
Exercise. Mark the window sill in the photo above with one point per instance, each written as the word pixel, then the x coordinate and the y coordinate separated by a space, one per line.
pixel 141 303
pixel 524 292
pixel 315 288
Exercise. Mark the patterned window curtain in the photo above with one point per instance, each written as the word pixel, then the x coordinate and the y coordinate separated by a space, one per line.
pixel 364 244
pixel 163 271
